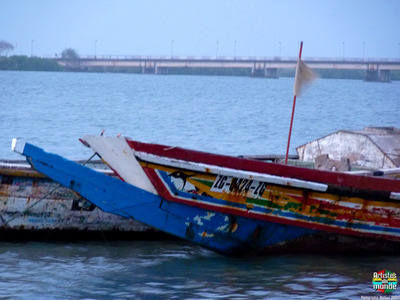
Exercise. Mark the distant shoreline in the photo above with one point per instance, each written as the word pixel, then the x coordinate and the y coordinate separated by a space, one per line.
pixel 25 63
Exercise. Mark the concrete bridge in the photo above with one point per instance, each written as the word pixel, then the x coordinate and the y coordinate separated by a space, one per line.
pixel 375 69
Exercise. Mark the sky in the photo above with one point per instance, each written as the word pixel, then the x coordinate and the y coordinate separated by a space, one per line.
pixel 241 28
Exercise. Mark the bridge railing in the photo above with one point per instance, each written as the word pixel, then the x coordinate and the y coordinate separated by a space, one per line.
pixel 231 58
pixel 238 58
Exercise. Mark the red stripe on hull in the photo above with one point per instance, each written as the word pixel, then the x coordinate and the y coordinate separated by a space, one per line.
pixel 164 193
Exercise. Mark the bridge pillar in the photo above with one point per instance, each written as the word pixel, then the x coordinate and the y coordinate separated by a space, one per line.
pixel 371 75
pixel 385 75
pixel 257 72
pixel 161 70
pixel 270 73
pixel 376 75
pixel 264 72
pixel 149 68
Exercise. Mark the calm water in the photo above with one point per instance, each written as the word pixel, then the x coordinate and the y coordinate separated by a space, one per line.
pixel 232 115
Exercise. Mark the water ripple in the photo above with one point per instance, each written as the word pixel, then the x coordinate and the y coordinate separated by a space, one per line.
pixel 231 115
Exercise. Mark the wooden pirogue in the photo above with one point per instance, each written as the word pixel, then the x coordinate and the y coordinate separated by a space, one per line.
pixel 229 204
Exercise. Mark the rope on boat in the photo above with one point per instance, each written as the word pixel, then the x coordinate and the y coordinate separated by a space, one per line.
pixel 2 219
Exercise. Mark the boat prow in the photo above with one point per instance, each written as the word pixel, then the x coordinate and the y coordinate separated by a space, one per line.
pixel 229 204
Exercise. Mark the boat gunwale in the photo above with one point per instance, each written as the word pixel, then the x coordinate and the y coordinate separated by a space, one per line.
pixel 334 179
pixel 21 169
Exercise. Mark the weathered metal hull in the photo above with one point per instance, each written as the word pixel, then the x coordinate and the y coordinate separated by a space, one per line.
pixel 372 147
pixel 232 205
pixel 31 203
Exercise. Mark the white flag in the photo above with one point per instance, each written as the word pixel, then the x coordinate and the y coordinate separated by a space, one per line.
pixel 304 75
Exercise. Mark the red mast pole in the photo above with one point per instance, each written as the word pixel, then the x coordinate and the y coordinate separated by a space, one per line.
pixel 294 105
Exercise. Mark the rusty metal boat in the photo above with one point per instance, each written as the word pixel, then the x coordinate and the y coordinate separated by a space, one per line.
pixel 34 206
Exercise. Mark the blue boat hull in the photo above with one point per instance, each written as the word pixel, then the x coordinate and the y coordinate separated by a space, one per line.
pixel 224 233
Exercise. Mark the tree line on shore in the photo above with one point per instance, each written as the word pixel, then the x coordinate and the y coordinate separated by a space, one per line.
pixel 33 63
pixel 25 63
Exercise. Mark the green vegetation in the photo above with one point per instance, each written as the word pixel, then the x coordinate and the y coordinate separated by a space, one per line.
pixel 69 54
pixel 327 73
pixel 341 74
pixel 113 69
pixel 210 71
pixel 5 47
pixel 395 75
pixel 322 73
pixel 24 63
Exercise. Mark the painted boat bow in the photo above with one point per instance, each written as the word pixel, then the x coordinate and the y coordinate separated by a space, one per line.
pixel 228 204
pixel 220 232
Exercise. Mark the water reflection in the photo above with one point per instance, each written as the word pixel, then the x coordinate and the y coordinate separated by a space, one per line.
pixel 174 269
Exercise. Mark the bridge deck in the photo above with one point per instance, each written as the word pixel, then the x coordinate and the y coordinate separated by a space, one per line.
pixel 229 62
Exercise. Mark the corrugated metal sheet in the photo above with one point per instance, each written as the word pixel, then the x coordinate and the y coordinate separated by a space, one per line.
pixel 372 147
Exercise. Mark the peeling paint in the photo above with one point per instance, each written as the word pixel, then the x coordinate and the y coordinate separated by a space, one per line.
pixel 199 219
pixel 209 216
pixel 223 228
pixel 204 234
pixel 28 200
pixel 234 226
